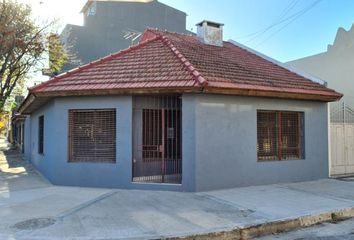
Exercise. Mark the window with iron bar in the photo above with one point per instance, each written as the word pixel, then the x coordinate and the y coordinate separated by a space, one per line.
pixel 92 135
pixel 41 134
pixel 280 135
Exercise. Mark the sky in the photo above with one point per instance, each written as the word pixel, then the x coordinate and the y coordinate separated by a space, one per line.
pixel 282 29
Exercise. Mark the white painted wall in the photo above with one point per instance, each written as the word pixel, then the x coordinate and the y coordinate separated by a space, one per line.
pixel 335 66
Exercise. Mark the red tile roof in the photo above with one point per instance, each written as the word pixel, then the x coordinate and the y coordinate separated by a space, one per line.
pixel 165 61
pixel 236 68
pixel 148 65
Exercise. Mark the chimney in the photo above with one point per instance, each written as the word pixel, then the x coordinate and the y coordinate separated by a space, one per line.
pixel 210 33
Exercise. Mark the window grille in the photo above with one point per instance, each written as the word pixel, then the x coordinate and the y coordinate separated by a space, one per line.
pixel 41 134
pixel 92 135
pixel 280 135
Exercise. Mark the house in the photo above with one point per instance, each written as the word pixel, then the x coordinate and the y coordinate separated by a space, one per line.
pixel 17 131
pixel 112 25
pixel 180 112
pixel 335 66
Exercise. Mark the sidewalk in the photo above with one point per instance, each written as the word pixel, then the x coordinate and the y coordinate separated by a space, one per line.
pixel 16 174
pixel 35 209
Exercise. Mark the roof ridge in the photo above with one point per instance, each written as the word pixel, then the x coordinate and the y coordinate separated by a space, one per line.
pixel 93 63
pixel 189 66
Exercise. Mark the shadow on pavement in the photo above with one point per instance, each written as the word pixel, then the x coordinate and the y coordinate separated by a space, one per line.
pixel 16 173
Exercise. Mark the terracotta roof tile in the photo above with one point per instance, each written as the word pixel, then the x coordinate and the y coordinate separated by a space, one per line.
pixel 167 60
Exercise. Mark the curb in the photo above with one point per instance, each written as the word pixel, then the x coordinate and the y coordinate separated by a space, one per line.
pixel 258 230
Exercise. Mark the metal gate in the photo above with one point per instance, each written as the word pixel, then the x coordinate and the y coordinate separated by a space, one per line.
pixel 342 140
pixel 157 128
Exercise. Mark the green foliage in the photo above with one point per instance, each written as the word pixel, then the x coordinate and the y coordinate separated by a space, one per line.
pixel 4 118
pixel 58 57
pixel 22 44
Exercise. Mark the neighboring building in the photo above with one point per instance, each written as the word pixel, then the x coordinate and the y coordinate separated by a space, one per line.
pixel 18 131
pixel 336 67
pixel 179 112
pixel 106 22
pixel 16 134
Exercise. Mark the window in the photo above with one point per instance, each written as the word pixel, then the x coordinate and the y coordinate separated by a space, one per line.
pixel 92 135
pixel 91 11
pixel 41 134
pixel 280 135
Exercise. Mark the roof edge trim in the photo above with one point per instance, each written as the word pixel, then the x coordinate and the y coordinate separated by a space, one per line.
pixel 27 102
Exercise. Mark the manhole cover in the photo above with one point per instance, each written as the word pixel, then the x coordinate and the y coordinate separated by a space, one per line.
pixel 34 223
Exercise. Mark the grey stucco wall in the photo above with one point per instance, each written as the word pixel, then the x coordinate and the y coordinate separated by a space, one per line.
pixel 43 162
pixel 54 162
pixel 219 138
pixel 188 142
pixel 93 174
pixel 27 138
pixel 226 142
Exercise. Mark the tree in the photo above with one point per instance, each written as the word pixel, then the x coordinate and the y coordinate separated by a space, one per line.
pixel 58 56
pixel 22 44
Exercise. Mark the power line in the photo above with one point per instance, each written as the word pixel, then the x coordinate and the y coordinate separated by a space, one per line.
pixel 285 11
pixel 291 6
pixel 292 20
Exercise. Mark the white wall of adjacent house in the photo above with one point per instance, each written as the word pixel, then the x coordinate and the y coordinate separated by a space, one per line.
pixel 336 67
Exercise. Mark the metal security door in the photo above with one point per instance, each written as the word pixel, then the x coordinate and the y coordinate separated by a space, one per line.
pixel 157 139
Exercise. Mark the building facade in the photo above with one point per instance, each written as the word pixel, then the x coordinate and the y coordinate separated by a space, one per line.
pixel 107 25
pixel 335 66
pixel 179 112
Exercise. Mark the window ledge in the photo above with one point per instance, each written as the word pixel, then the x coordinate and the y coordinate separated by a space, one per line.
pixel 283 160
pixel 77 162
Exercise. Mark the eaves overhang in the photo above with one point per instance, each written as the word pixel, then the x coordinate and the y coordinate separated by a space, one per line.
pixel 35 101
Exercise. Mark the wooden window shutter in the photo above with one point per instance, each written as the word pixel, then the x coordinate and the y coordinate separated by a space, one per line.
pixel 92 135
pixel 267 135
pixel 280 135
pixel 291 135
